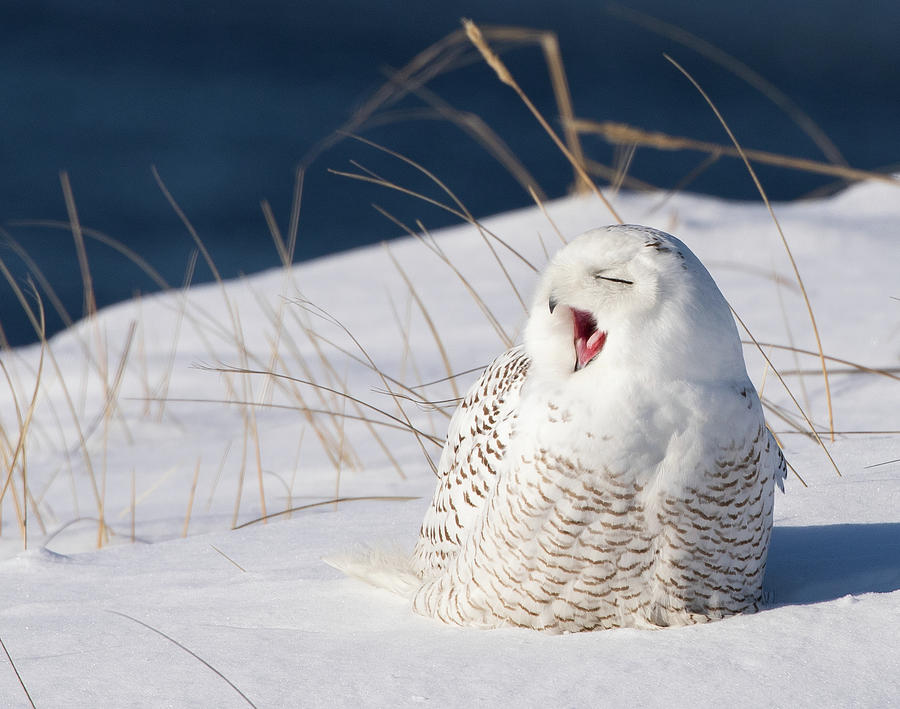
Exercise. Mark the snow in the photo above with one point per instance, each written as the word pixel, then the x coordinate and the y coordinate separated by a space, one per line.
pixel 144 624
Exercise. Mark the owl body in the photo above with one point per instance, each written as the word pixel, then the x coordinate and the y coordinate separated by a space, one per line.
pixel 615 471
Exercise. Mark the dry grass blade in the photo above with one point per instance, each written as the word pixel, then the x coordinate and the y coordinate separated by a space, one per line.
pixel 105 239
pixel 187 223
pixel 316 337
pixel 470 123
pixel 294 223
pixel 188 651
pixel 540 203
pixel 553 58
pixel 219 551
pixel 783 415
pixel 890 373
pixel 422 68
pixel 384 380
pixel 24 425
pixel 162 388
pixel 112 395
pixel 623 134
pixel 37 324
pixel 449 53
pixel 859 432
pixel 784 241
pixel 455 375
pixel 272 224
pixel 431 326
pixel 11 461
pixel 325 503
pixel 235 325
pixel 71 523
pixel 337 454
pixel 812 428
pixel 462 212
pixel 738 68
pixel 18 676
pixel 878 465
pixel 399 426
pixel 90 304
pixel 403 423
pixel 610 174
pixel 35 271
pixel 433 247
pixel 475 36
pixel 792 468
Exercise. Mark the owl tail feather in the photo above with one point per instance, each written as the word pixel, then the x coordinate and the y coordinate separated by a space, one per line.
pixel 388 569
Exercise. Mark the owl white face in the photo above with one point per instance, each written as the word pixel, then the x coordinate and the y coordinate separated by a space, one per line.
pixel 628 295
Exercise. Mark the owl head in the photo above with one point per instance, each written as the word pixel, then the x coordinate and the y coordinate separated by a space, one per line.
pixel 635 300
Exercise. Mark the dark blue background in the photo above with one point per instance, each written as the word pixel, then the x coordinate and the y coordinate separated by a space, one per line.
pixel 226 98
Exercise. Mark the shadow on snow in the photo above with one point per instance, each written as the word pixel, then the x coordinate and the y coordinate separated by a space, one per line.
pixel 813 564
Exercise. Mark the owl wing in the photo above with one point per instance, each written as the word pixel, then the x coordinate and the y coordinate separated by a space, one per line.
pixel 473 456
pixel 564 545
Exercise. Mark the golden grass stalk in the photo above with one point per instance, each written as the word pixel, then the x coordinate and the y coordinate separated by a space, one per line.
pixel 624 134
pixel 475 36
pixel 553 58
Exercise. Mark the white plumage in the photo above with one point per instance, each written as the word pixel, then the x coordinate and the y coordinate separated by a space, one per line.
pixel 613 471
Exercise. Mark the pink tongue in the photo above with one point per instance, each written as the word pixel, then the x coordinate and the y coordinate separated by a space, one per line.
pixel 586 350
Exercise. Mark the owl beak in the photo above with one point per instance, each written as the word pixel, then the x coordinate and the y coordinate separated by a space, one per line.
pixel 553 303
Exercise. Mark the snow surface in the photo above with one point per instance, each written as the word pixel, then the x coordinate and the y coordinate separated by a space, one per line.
pixel 85 627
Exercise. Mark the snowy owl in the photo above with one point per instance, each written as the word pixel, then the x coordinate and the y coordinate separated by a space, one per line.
pixel 613 471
